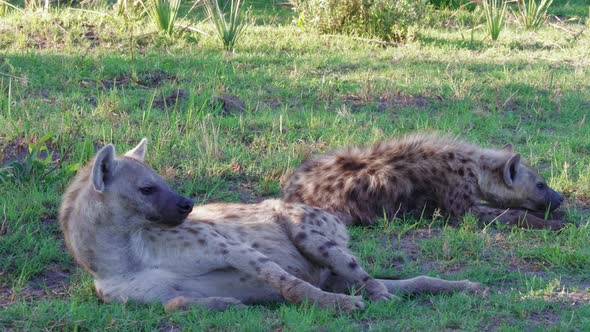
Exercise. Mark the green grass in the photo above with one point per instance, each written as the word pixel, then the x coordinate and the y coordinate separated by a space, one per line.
pixel 81 79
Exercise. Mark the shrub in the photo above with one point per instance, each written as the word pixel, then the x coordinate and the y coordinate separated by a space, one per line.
pixel 390 21
pixel 532 15
pixel 227 31
pixel 452 4
pixel 495 13
pixel 163 13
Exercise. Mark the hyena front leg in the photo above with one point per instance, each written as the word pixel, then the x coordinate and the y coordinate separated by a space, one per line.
pixel 519 218
pixel 315 245
pixel 255 263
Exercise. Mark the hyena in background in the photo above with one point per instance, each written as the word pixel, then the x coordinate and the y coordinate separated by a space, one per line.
pixel 139 240
pixel 423 172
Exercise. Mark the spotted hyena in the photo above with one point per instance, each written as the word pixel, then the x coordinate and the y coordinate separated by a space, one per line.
pixel 424 172
pixel 141 241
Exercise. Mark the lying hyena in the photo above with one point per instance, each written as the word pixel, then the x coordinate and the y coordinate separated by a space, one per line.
pixel 124 225
pixel 425 171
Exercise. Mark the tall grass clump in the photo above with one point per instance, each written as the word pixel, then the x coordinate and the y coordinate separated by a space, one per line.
pixel 228 31
pixel 531 14
pixel 163 13
pixel 495 13
pixel 388 21
pixel 7 7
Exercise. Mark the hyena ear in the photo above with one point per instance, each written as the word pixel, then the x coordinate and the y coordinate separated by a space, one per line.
pixel 507 147
pixel 138 152
pixel 103 167
pixel 510 169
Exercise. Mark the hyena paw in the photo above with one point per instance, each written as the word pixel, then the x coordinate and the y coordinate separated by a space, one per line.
pixel 382 297
pixel 376 291
pixel 177 303
pixel 556 224
pixel 223 303
pixel 474 287
pixel 351 303
pixel 343 302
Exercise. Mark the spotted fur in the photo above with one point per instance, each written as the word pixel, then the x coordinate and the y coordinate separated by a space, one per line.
pixel 421 173
pixel 126 227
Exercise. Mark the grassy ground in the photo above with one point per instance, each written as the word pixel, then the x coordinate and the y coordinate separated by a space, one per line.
pixel 228 126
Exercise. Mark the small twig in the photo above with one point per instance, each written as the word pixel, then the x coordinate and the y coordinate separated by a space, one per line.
pixel 66 152
pixel 15 77
pixel 494 220
pixel 191 28
pixel 562 28
pixel 89 11
pixel 3 228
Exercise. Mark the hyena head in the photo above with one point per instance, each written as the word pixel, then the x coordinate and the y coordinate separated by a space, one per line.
pixel 519 186
pixel 129 185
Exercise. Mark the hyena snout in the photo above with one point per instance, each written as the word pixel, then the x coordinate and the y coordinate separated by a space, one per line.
pixel 184 205
pixel 175 209
pixel 171 208
pixel 555 199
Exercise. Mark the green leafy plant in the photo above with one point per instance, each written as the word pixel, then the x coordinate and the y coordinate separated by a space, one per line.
pixel 388 21
pixel 227 31
pixel 163 13
pixel 531 14
pixel 495 14
pixel 452 4
pixel 35 164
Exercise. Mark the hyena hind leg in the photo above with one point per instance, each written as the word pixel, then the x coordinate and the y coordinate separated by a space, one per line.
pixel 341 262
pixel 424 284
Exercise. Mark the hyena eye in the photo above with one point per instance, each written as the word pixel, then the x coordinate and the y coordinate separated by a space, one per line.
pixel 148 190
pixel 540 185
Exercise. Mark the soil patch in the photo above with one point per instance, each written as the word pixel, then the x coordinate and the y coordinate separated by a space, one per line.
pixel 145 79
pixel 389 100
pixel 175 97
pixel 231 104
pixel 395 99
pixel 17 150
pixel 51 284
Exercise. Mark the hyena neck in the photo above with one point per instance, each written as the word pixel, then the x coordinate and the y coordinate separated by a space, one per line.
pixel 490 174
pixel 97 241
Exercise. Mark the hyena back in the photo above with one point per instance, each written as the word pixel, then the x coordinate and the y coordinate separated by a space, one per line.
pixel 425 171
pixel 140 241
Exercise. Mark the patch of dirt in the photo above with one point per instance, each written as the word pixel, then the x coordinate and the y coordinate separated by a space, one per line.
pixel 106 84
pixel 395 99
pixel 154 78
pixel 51 284
pixel 175 97
pixel 90 34
pixel 146 79
pixel 231 104
pixel 410 249
pixel 389 100
pixel 18 150
pixel 547 317
pixel 40 93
